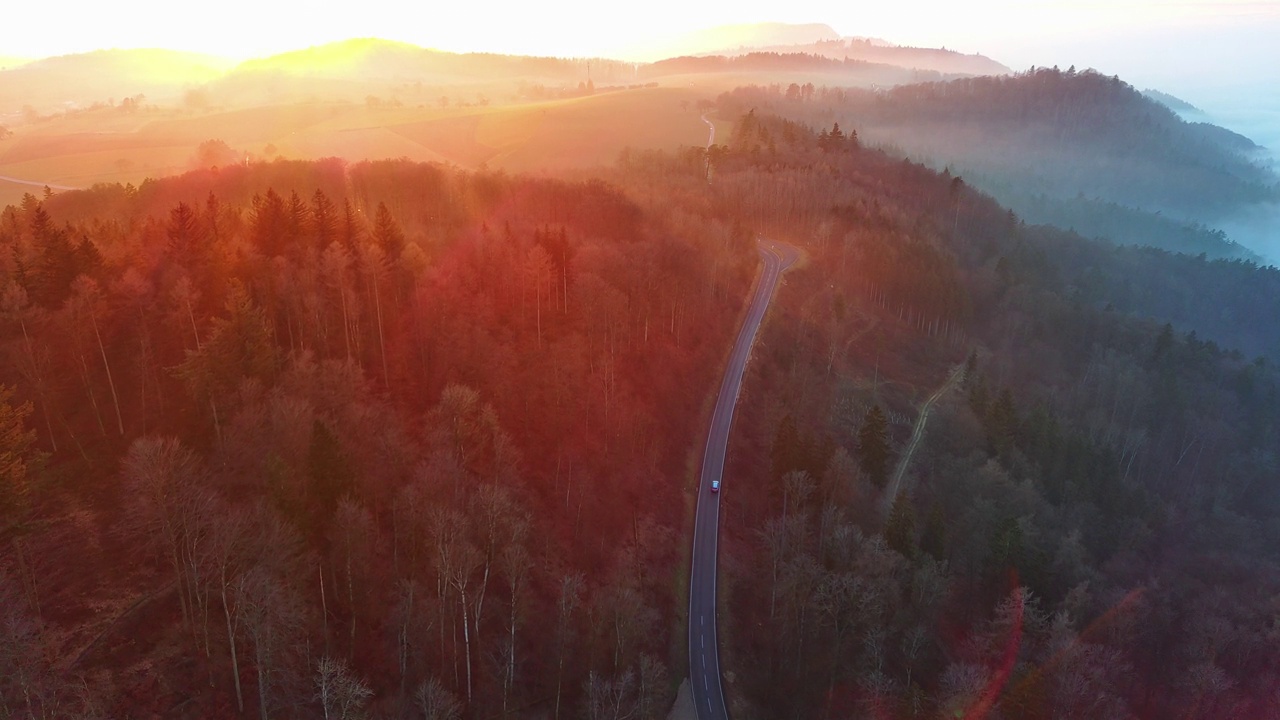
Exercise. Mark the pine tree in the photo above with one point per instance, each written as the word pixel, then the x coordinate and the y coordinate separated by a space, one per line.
pixel 239 347
pixel 297 228
pixel 933 537
pixel 351 229
pixel 269 224
pixel 873 446
pixel 387 233
pixel 900 529
pixel 57 263
pixel 970 369
pixel 330 471
pixel 324 219
pixel 1006 545
pixel 1002 424
pixel 186 236
pixel 1163 346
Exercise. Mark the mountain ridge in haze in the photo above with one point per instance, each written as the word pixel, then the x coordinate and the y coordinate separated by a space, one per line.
pixel 11 62
pixel 1173 102
pixel 81 80
pixel 1079 150
pixel 78 80
pixel 357 68
pixel 823 40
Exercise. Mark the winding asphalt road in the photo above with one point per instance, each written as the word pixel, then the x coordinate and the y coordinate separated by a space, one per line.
pixel 704 656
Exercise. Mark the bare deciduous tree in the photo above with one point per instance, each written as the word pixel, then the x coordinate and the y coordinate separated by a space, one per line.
pixel 351 535
pixel 435 702
pixel 566 605
pixel 607 699
pixel 166 485
pixel 342 695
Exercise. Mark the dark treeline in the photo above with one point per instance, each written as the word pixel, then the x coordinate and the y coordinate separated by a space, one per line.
pixel 1086 530
pixel 305 439
pixel 1046 140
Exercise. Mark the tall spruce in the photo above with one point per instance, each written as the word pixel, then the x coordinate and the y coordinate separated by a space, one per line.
pixel 873 446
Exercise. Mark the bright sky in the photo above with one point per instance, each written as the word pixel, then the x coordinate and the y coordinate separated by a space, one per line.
pixel 1146 42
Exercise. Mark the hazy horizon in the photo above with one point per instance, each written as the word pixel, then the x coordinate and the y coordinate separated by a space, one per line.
pixel 1184 48
pixel 1218 55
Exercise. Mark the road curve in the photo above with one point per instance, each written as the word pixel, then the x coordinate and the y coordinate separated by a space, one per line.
pixel 704 655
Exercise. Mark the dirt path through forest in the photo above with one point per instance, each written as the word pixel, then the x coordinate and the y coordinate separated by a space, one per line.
pixel 917 434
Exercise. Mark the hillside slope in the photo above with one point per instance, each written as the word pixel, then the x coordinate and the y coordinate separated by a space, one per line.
pixel 1056 146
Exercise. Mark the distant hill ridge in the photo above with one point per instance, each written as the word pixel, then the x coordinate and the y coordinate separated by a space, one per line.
pixel 10 62
pixel 69 82
pixel 823 40
pixel 1078 149
pixel 378 58
pixel 1172 102
pixel 79 80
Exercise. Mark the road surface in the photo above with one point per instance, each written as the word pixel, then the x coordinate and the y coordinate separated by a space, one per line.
pixel 704 656
pixel 36 183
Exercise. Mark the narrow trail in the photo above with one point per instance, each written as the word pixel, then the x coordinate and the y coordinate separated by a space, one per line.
pixel 917 434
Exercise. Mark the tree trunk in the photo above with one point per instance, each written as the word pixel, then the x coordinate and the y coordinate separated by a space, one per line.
pixel 351 598
pixel 324 608
pixel 35 370
pixel 231 639
pixel 404 640
pixel 511 655
pixel 110 383
pixel 194 330
pixel 382 343
pixel 93 399
pixel 466 639
pixel 346 322
pixel 262 686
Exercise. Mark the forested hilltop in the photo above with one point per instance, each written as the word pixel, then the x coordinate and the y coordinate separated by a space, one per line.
pixel 295 439
pixel 305 429
pixel 1086 528
pixel 1076 149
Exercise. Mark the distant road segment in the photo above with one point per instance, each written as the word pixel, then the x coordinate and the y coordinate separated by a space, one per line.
pixel 36 183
